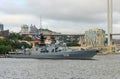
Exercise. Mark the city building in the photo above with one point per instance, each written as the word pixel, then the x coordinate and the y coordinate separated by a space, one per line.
pixel 1 27
pixel 95 38
pixel 81 40
pixel 33 29
pixel 4 33
pixel 24 29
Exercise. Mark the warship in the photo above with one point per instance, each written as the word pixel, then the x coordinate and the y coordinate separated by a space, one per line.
pixel 56 50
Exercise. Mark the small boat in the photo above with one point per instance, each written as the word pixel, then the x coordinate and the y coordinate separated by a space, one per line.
pixel 54 51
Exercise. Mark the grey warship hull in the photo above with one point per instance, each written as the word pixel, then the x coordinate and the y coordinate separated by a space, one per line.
pixel 82 54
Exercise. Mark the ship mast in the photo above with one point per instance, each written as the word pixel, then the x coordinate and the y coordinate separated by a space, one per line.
pixel 40 26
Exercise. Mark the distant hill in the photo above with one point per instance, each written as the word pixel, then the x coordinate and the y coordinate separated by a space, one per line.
pixel 47 31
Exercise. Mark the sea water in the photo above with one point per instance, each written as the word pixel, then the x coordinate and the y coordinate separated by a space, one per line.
pixel 101 67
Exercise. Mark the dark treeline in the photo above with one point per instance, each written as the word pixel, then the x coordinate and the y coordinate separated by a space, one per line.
pixel 17 36
pixel 11 43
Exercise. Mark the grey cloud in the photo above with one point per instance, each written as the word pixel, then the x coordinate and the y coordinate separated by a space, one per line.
pixel 88 11
pixel 73 10
pixel 9 7
pixel 78 10
pixel 82 12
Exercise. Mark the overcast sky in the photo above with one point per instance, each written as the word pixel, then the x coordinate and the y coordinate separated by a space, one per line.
pixel 65 16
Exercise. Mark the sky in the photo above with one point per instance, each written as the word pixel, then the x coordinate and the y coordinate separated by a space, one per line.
pixel 65 16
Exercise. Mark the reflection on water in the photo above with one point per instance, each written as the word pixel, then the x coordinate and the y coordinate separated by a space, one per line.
pixel 106 67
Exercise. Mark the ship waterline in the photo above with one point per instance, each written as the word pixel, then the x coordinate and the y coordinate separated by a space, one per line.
pixel 83 54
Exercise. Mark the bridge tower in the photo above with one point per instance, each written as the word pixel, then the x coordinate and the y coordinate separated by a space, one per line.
pixel 110 22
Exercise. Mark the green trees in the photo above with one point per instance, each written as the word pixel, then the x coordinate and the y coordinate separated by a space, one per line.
pixel 12 42
pixel 18 45
pixel 5 49
pixel 7 45
pixel 17 36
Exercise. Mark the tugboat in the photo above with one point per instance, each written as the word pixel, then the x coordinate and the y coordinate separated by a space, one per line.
pixel 56 50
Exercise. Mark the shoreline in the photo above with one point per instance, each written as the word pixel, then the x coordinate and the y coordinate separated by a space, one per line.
pixel 2 56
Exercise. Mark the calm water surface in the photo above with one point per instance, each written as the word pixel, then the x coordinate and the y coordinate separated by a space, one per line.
pixel 103 67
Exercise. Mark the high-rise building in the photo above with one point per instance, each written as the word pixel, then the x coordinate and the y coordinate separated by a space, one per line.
pixel 33 29
pixel 1 27
pixel 95 38
pixel 24 29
